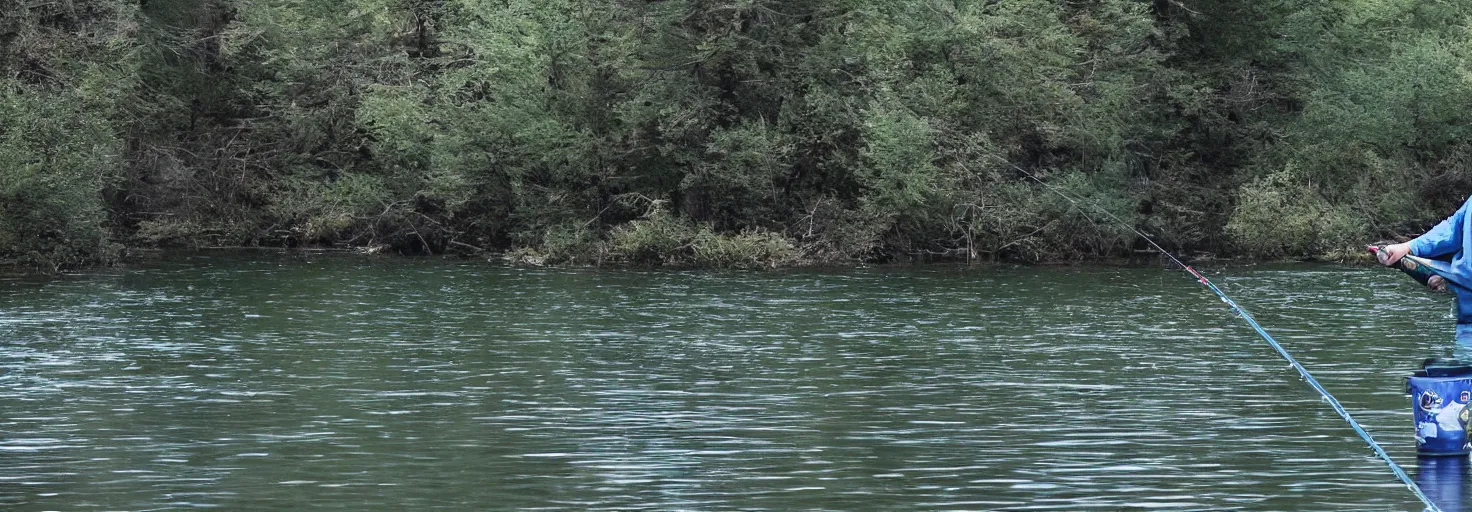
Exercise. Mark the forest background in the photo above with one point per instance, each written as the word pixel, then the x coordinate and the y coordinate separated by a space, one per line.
pixel 729 133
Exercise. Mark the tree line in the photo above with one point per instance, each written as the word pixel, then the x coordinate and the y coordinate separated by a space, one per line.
pixel 731 133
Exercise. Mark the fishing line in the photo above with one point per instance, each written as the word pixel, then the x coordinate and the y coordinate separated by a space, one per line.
pixel 1236 308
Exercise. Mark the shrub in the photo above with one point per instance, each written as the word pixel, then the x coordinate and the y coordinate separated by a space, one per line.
pixel 658 238
pixel 56 155
pixel 570 244
pixel 662 238
pixel 748 249
pixel 1279 215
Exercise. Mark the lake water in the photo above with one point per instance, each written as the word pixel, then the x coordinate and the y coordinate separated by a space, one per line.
pixel 296 382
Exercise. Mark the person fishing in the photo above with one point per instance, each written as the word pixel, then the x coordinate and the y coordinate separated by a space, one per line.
pixel 1442 259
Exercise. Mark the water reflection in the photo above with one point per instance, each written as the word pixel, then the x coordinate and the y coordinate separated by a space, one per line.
pixel 1446 481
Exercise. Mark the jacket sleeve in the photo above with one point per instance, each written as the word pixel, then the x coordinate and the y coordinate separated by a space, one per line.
pixel 1445 238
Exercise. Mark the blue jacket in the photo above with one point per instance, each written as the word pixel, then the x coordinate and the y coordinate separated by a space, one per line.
pixel 1449 246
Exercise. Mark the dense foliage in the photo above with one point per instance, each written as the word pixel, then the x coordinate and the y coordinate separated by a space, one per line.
pixel 728 132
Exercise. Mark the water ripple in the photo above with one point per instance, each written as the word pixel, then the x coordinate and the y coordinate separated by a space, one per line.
pixel 337 383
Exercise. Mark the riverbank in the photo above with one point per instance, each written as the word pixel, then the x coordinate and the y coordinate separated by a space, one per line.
pixel 531 258
pixel 728 134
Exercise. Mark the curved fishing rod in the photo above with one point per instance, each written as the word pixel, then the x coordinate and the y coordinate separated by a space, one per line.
pixel 1236 308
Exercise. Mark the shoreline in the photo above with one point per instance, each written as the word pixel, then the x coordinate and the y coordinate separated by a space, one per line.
pixel 143 255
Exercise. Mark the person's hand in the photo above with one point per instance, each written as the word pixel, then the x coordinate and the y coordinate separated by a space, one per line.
pixel 1393 253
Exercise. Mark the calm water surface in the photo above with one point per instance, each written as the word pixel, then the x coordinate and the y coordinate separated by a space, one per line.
pixel 365 384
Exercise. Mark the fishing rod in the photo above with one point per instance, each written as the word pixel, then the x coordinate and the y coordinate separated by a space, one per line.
pixel 1240 311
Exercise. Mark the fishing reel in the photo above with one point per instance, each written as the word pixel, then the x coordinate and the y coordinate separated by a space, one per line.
pixel 1413 266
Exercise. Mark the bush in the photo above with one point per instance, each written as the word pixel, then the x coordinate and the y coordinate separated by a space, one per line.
pixel 571 244
pixel 658 238
pixel 1279 216
pixel 663 239
pixel 56 156
pixel 749 249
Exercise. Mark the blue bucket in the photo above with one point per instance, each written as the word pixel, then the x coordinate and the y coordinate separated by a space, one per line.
pixel 1440 392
